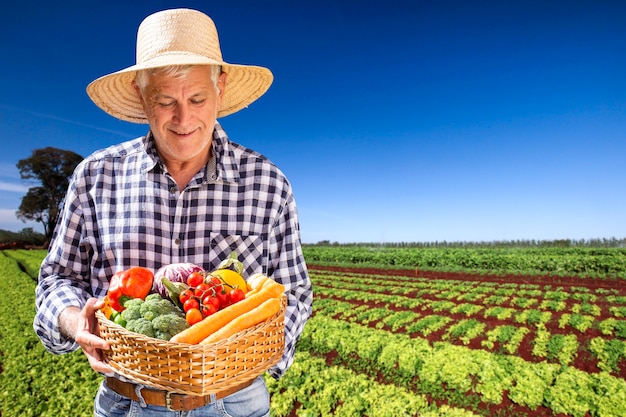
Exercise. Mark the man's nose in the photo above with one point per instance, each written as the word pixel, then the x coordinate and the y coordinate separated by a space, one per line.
pixel 182 113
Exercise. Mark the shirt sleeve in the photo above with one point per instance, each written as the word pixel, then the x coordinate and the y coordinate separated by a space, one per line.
pixel 291 271
pixel 63 277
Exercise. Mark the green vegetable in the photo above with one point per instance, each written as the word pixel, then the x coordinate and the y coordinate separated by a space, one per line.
pixel 141 326
pixel 174 289
pixel 168 325
pixel 153 317
pixel 132 309
pixel 119 320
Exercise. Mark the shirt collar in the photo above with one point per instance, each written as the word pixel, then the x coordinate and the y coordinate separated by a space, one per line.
pixel 223 162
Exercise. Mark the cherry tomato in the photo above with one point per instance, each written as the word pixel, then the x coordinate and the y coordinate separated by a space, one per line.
pixel 185 295
pixel 202 290
pixel 211 300
pixel 236 295
pixel 195 279
pixel 222 297
pixel 190 304
pixel 216 282
pixel 207 309
pixel 193 316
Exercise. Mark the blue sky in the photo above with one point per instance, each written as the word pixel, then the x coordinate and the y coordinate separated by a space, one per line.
pixel 409 121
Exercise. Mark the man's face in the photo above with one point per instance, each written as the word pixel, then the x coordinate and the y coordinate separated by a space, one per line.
pixel 182 113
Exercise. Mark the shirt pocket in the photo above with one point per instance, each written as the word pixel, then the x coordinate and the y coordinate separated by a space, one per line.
pixel 249 249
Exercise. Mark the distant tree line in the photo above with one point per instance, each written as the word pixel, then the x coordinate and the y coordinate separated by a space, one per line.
pixel 530 243
pixel 26 238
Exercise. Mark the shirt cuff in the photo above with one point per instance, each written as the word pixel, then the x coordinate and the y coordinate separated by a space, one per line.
pixel 46 323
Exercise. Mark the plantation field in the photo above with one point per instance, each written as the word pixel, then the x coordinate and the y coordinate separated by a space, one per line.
pixel 389 342
pixel 585 262
pixel 493 345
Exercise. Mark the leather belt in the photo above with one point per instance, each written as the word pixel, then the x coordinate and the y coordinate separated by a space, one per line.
pixel 173 401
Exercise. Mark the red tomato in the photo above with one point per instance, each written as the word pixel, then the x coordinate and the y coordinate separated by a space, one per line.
pixel 195 279
pixel 193 316
pixel 216 282
pixel 207 309
pixel 185 295
pixel 222 297
pixel 191 304
pixel 211 300
pixel 236 295
pixel 202 290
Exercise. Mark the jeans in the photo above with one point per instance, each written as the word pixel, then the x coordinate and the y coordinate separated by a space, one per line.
pixel 252 401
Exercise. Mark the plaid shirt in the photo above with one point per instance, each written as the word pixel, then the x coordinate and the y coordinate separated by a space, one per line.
pixel 123 209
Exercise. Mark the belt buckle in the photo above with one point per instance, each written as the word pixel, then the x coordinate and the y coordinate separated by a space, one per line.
pixel 179 402
pixel 168 401
pixel 171 402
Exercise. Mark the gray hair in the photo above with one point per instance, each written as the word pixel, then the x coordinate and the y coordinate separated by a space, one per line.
pixel 176 71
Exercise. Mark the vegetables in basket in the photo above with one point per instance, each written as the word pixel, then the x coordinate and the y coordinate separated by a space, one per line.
pixel 246 320
pixel 153 317
pixel 232 277
pixel 206 327
pixel 134 282
pixel 175 273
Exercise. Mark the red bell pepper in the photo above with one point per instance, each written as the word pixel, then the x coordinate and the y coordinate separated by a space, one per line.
pixel 135 282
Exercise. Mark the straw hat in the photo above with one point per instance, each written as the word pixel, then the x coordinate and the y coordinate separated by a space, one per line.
pixel 177 37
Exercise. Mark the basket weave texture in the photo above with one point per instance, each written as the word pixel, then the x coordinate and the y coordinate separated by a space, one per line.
pixel 195 369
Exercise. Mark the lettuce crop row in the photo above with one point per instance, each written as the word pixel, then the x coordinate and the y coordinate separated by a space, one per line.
pixel 27 260
pixel 322 390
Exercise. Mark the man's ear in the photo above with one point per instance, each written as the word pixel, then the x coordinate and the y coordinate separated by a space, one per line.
pixel 138 92
pixel 221 84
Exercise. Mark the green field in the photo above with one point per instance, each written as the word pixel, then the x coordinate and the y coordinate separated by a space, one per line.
pixel 396 344
pixel 587 262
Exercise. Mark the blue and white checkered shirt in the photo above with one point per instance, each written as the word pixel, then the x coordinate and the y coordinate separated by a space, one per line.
pixel 123 209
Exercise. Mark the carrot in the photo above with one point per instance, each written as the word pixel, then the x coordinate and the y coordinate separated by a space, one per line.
pixel 209 325
pixel 261 281
pixel 253 317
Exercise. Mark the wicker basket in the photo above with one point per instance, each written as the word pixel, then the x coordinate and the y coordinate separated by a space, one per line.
pixel 195 369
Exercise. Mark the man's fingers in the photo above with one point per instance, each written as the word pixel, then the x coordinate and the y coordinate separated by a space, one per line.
pixel 88 340
pixel 92 305
pixel 97 364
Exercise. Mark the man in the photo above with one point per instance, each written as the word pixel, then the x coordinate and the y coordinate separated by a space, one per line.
pixel 182 193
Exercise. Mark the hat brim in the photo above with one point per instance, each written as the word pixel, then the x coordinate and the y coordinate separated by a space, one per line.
pixel 114 93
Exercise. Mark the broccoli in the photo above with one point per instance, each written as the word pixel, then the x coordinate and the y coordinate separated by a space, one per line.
pixel 142 326
pixel 154 317
pixel 153 296
pixel 168 325
pixel 132 309
pixel 156 306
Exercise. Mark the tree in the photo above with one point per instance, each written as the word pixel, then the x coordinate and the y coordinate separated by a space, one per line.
pixel 52 168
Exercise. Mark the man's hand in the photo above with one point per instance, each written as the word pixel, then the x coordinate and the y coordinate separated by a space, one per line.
pixel 82 326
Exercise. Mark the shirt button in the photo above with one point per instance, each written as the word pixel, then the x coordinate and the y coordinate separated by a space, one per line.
pixel 173 190
pixel 177 241
pixel 213 176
